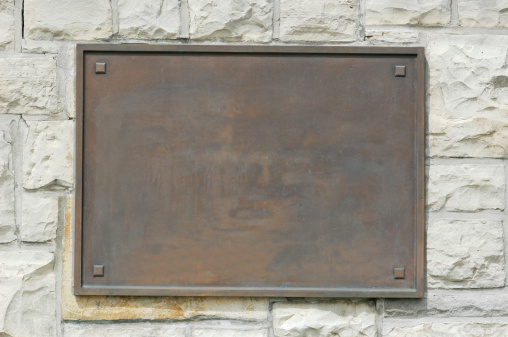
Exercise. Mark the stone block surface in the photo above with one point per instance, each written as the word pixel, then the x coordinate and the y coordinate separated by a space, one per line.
pixel 39 217
pixel 231 20
pixel 67 19
pixel 41 46
pixel 465 254
pixel 456 304
pixel 467 188
pixel 122 330
pixel 27 294
pixel 468 95
pixel 412 12
pixel 339 318
pixel 400 37
pixel 229 333
pixel 319 20
pixel 48 154
pixel 481 13
pixel 451 330
pixel 7 27
pixel 28 85
pixel 145 19
pixel 7 220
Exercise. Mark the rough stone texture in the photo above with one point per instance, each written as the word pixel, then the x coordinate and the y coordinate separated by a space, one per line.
pixel 437 303
pixel 39 217
pixel 7 25
pixel 27 294
pixel 452 330
pixel 465 254
pixel 122 308
pixel 232 20
pixel 7 221
pixel 71 83
pixel 400 37
pixel 41 46
pixel 67 19
pixel 28 85
pixel 468 188
pixel 229 333
pixel 468 96
pixel 340 318
pixel 122 330
pixel 402 12
pixel 318 20
pixel 48 154
pixel 481 13
pixel 146 19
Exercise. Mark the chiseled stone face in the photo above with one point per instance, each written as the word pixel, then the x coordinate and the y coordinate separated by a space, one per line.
pixel 468 96
pixel 465 254
pixel 48 154
pixel 481 13
pixel 67 19
pixel 400 37
pixel 28 85
pixel 146 19
pixel 467 188
pixel 27 294
pixel 229 333
pixel 340 318
pixel 122 330
pixel 231 20
pixel 39 217
pixel 412 12
pixel 7 224
pixel 451 330
pixel 318 20
pixel 7 25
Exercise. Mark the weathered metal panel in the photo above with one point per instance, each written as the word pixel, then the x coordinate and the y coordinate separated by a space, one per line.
pixel 249 171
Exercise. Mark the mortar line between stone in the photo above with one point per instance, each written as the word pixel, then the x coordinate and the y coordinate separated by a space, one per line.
pixel 456 161
pixel 184 19
pixel 62 205
pixel 505 220
pixel 276 20
pixel 380 315
pixel 413 321
pixel 114 17
pixel 455 30
pixel 18 25
pixel 454 13
pixel 17 136
pixel 361 20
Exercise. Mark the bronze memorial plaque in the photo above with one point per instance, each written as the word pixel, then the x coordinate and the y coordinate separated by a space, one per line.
pixel 249 171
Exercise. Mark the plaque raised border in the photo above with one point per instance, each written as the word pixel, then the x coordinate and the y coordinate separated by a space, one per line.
pixel 414 291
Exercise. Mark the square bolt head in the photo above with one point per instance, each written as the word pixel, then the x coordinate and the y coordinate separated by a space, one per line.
pixel 400 71
pixel 100 68
pixel 399 273
pixel 98 270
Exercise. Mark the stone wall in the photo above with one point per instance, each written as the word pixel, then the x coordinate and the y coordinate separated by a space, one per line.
pixel 467 167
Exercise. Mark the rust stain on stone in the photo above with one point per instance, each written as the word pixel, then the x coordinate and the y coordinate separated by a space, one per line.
pixel 133 307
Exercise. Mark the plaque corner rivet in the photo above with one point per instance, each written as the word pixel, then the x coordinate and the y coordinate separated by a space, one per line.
pixel 98 270
pixel 399 273
pixel 400 71
pixel 100 67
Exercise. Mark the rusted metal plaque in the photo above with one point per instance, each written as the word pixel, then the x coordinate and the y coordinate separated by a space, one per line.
pixel 249 171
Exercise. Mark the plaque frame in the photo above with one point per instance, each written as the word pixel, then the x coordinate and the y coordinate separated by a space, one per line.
pixel 365 292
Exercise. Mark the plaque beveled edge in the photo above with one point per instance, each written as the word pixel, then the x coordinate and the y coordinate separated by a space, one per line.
pixel 361 292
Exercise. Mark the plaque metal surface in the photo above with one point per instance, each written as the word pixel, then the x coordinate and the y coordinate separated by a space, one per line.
pixel 249 171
